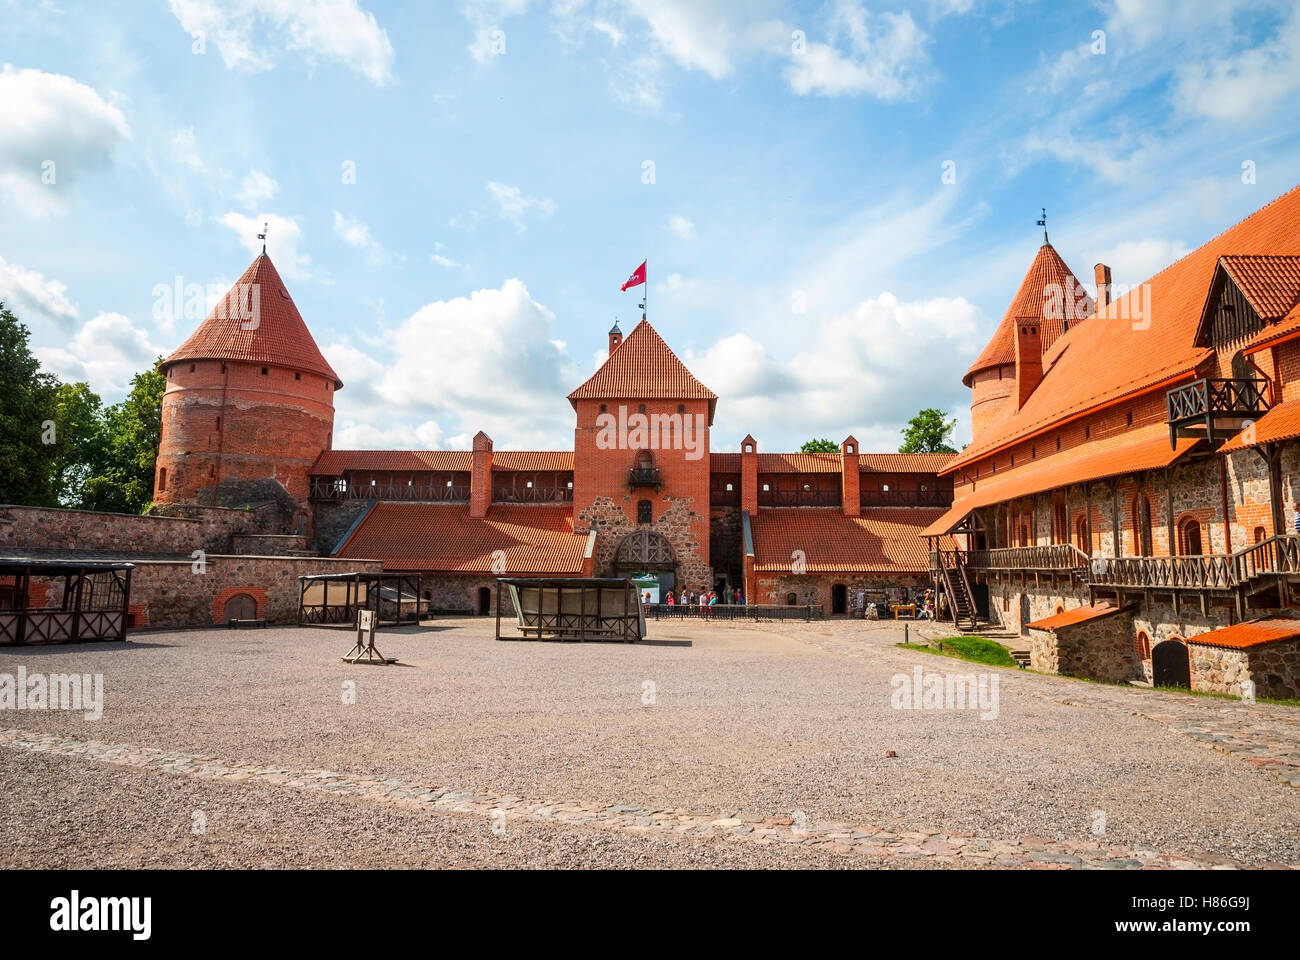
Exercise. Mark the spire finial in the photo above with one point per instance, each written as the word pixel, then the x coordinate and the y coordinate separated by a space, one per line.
pixel 262 236
pixel 1043 223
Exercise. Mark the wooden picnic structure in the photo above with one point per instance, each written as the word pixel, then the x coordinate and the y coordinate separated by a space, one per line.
pixel 93 604
pixel 573 608
pixel 329 599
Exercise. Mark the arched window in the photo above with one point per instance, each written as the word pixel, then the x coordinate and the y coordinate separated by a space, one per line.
pixel 1082 535
pixel 1189 537
pixel 1060 521
pixel 1260 535
pixel 1142 645
pixel 162 478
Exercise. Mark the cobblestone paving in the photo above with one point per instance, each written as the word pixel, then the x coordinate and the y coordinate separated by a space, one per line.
pixel 849 840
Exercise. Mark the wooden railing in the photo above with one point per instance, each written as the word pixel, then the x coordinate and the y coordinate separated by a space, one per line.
pixel 1210 396
pixel 1056 556
pixel 328 489
pixel 532 494
pixel 799 498
pixel 905 498
pixel 1276 556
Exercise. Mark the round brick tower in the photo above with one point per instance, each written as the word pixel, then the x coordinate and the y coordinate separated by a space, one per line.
pixel 249 400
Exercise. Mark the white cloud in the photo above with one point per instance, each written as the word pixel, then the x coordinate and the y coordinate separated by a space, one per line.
pixel 358 435
pixel 1249 84
pixel 488 18
pixel 356 234
pixel 682 227
pixel 489 360
pixel 105 353
pixel 707 35
pixel 885 57
pixel 185 150
pixel 515 206
pixel 446 262
pixel 31 297
pixel 256 189
pixel 1136 261
pixel 856 371
pixel 52 129
pixel 251 35
pixel 284 238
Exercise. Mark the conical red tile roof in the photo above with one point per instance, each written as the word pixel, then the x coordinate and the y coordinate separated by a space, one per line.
pixel 1029 303
pixel 279 337
pixel 644 368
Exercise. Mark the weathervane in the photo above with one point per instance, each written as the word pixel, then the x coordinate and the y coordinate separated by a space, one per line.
pixel 1043 223
pixel 262 236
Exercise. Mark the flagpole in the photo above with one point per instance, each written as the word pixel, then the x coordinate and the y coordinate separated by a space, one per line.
pixel 645 304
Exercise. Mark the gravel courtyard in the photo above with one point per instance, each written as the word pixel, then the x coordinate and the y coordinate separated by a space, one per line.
pixel 723 745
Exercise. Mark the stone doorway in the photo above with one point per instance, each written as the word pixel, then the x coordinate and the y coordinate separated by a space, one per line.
pixel 240 607
pixel 839 600
pixel 484 601
pixel 645 551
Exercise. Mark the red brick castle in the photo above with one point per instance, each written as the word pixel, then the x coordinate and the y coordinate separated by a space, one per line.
pixel 248 417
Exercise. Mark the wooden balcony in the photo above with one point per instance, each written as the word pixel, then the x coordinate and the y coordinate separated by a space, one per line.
pixel 905 498
pixel 643 477
pixel 1056 557
pixel 330 488
pixel 799 498
pixel 533 494
pixel 1214 409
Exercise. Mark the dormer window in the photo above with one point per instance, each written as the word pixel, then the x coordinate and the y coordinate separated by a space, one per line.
pixel 749 448
pixel 849 448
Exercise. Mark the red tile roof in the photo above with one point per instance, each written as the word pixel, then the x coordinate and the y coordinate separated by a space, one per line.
pixel 443 538
pixel 830 462
pixel 331 463
pixel 1139 342
pixel 280 338
pixel 882 540
pixel 1077 615
pixel 643 367
pixel 1271 284
pixel 1035 301
pixel 532 460
pixel 1252 633
pixel 1282 422
pixel 1146 448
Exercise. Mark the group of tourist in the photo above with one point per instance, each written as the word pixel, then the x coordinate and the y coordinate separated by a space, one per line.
pixel 703 599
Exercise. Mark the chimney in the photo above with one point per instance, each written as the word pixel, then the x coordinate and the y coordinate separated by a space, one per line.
pixel 1029 360
pixel 849 478
pixel 749 475
pixel 615 336
pixel 480 478
pixel 1101 273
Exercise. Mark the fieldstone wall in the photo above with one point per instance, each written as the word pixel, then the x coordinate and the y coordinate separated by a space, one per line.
pixel 170 594
pixel 1005 599
pixel 815 589
pixel 1100 649
pixel 270 545
pixel 1274 667
pixel 459 594
pixel 678 524
pixel 726 545
pixel 331 520
pixel 44 529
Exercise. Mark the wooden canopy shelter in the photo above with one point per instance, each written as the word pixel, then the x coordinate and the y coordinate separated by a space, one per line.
pixel 573 608
pixel 335 598
pixel 81 600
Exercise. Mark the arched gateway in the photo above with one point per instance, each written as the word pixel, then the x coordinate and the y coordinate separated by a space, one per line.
pixel 644 552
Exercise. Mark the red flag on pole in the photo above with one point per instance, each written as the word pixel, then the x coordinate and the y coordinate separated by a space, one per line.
pixel 637 278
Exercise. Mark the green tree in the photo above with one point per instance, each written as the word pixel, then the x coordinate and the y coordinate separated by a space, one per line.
pixel 29 439
pixel 820 446
pixel 133 427
pixel 83 441
pixel 928 432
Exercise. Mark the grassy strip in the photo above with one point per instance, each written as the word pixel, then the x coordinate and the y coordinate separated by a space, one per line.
pixel 973 649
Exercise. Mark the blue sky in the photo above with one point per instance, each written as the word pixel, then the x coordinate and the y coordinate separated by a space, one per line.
pixel 782 166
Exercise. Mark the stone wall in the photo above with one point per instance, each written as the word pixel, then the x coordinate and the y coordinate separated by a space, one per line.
pixel 43 529
pixel 815 589
pixel 459 594
pixel 332 519
pixel 1274 667
pixel 1100 649
pixel 678 523
pixel 269 544
pixel 726 545
pixel 170 594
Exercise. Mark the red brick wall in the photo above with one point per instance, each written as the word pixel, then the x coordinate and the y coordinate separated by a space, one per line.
pixel 272 426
